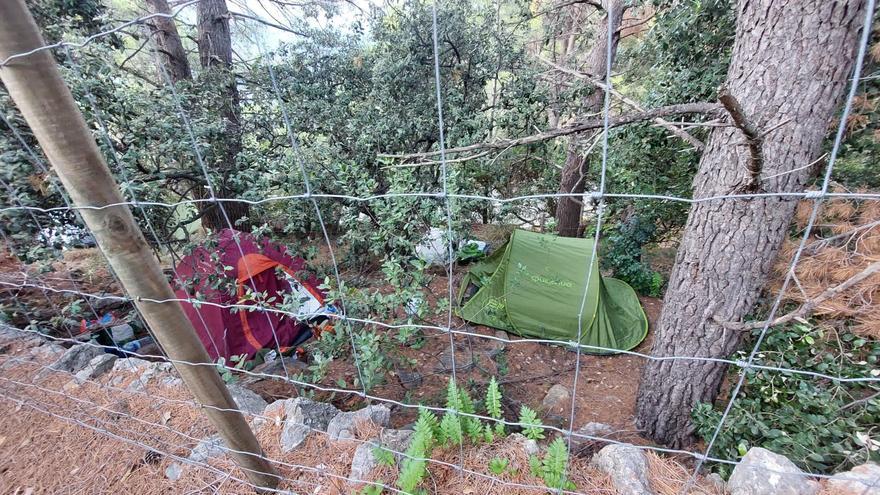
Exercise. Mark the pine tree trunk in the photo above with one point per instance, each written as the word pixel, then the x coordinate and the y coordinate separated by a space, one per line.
pixel 168 44
pixel 572 180
pixel 215 56
pixel 790 65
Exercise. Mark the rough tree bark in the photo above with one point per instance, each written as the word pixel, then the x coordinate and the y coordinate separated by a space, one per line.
pixel 215 56
pixel 790 65
pixel 568 209
pixel 167 40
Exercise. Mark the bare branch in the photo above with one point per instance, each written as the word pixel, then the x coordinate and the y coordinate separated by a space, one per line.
pixel 268 23
pixel 754 139
pixel 579 126
pixel 808 306
pixel 696 143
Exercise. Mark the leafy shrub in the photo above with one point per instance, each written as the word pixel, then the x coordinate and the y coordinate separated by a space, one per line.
pixel 623 254
pixel 822 426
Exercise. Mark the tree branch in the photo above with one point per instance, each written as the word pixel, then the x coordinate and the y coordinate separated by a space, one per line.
pixel 809 305
pixel 686 136
pixel 579 126
pixel 754 139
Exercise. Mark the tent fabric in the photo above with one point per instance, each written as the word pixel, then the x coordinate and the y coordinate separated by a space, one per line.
pixel 221 274
pixel 535 286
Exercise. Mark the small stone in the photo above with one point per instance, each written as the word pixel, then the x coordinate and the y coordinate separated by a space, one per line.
pixel 207 448
pixel 247 401
pixel 557 400
pixel 131 365
pixel 496 347
pixel 343 426
pixel 174 471
pixel 529 446
pixel 96 367
pixel 409 379
pixel 761 472
pixel 170 381
pixel 627 466
pixel 860 480
pixel 464 360
pixel 303 417
pixel 717 481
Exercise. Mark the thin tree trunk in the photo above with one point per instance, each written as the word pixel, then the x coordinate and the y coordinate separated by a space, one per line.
pixel 215 56
pixel 790 65
pixel 568 209
pixel 168 44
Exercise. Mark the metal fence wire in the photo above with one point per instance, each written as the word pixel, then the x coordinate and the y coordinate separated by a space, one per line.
pixel 79 407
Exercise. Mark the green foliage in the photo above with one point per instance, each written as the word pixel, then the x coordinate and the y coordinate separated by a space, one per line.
pixel 470 252
pixel 450 427
pixel 414 467
pixel 240 363
pixel 383 456
pixel 498 465
pixel 372 489
pixel 493 405
pixel 820 425
pixel 531 423
pixel 623 253
pixel 473 427
pixel 372 358
pixel 553 466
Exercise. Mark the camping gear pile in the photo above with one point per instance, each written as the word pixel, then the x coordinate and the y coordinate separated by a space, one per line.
pixel 234 271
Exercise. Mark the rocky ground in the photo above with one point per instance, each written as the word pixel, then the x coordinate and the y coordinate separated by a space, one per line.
pixel 82 421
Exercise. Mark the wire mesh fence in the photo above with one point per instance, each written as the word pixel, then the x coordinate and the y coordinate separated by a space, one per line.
pixel 166 421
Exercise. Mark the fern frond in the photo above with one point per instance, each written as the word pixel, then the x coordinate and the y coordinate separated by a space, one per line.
pixel 532 426
pixel 493 399
pixel 450 425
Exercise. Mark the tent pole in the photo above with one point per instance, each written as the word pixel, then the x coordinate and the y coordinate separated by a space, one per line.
pixel 36 87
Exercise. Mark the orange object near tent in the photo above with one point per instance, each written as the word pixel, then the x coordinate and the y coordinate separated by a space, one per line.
pixel 221 274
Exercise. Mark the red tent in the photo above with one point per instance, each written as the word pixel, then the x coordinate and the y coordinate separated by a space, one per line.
pixel 222 272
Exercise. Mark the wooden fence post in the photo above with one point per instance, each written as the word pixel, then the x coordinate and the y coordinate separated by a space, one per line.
pixel 36 87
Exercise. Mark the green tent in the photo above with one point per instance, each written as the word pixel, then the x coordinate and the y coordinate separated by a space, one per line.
pixel 534 286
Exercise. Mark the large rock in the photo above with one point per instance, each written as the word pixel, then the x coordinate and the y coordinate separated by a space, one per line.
pixel 76 358
pixel 860 480
pixel 363 462
pixel 153 369
pixel 96 367
pixel 364 459
pixel 303 416
pixel 247 400
pixel 396 440
pixel 46 351
pixel 761 472
pixel 627 466
pixel 557 400
pixel 343 426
